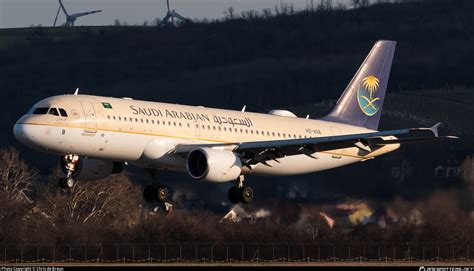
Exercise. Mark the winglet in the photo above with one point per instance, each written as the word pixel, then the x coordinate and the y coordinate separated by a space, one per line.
pixel 434 128
pixel 77 91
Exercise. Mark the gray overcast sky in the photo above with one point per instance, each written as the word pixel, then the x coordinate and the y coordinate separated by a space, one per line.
pixel 23 13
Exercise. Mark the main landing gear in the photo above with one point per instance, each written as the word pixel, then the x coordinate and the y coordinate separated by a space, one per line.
pixel 158 193
pixel 240 193
pixel 155 192
pixel 70 163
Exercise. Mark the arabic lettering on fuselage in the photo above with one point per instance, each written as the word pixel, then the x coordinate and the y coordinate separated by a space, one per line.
pixel 165 113
pixel 233 121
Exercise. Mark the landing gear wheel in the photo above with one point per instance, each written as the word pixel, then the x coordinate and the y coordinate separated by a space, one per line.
pixel 66 182
pixel 148 193
pixel 69 182
pixel 161 194
pixel 234 195
pixel 246 194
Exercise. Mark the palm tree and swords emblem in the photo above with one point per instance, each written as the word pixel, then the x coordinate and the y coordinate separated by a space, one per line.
pixel 365 95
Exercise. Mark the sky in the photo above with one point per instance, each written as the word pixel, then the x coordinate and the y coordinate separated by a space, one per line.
pixel 24 13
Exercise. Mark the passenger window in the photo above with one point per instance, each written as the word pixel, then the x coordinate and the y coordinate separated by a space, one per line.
pixel 53 111
pixel 63 112
pixel 40 111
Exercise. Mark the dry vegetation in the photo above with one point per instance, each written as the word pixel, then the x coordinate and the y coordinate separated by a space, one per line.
pixel 112 210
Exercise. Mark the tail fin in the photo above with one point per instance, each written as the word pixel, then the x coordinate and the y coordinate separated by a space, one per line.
pixel 361 103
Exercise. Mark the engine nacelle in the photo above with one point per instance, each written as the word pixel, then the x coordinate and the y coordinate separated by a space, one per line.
pixel 87 169
pixel 213 165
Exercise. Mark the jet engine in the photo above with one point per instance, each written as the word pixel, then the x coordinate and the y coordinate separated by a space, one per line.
pixel 87 169
pixel 213 165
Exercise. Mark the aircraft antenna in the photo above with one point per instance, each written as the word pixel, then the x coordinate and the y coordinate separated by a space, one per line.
pixel 243 108
pixel 77 91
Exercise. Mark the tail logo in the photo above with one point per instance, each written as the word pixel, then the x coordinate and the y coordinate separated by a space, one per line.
pixel 369 103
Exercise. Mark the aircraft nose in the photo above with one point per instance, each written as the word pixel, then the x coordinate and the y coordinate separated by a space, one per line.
pixel 22 134
pixel 19 132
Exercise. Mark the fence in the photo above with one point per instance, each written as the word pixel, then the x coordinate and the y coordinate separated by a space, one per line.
pixel 222 252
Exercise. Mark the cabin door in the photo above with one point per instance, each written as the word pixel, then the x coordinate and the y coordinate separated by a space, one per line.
pixel 90 118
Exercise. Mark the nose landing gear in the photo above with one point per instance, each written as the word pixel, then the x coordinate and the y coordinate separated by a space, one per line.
pixel 240 193
pixel 70 163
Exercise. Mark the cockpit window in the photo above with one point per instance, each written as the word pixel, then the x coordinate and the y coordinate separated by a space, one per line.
pixel 53 111
pixel 63 112
pixel 41 111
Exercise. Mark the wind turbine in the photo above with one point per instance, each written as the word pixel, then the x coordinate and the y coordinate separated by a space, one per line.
pixel 71 18
pixel 170 15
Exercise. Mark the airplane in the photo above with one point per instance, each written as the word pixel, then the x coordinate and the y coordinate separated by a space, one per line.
pixel 96 136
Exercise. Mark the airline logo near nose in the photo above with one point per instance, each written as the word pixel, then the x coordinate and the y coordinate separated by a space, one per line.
pixel 369 103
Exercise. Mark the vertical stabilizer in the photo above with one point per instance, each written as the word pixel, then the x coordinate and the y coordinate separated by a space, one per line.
pixel 361 103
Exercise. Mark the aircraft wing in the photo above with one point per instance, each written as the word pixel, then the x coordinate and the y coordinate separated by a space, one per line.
pixel 261 151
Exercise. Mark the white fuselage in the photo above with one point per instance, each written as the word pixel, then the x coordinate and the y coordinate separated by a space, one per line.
pixel 146 133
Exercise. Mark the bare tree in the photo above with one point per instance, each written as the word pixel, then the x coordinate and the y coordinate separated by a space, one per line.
pixel 310 6
pixel 229 13
pixel 16 176
pixel 282 9
pixel 115 197
pixel 267 13
pixel 250 15
pixel 15 183
pixel 325 5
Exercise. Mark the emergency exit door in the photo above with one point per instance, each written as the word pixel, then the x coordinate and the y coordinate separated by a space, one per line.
pixel 337 154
